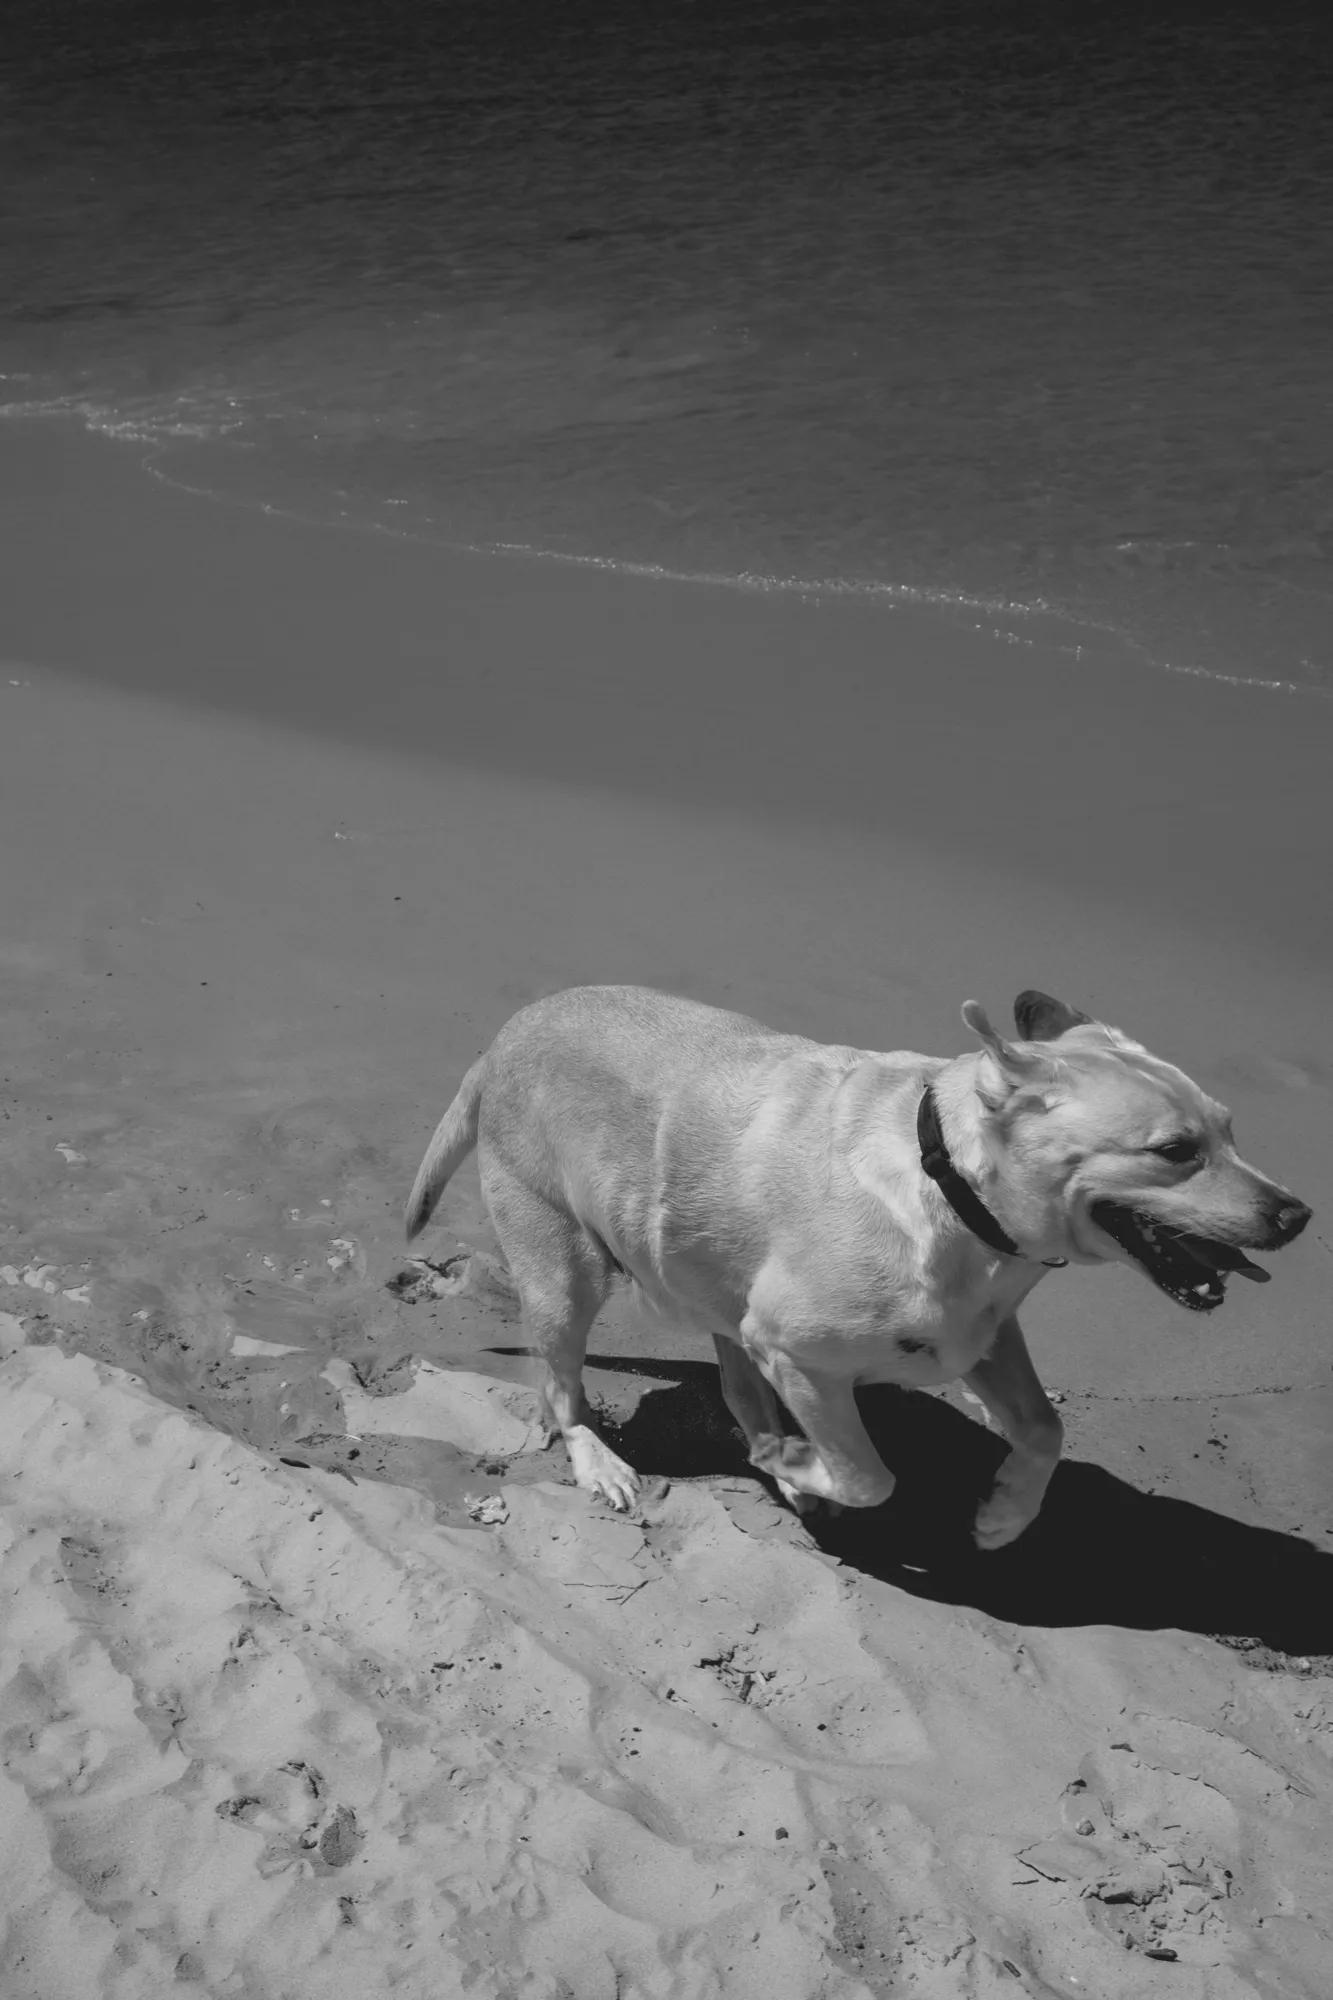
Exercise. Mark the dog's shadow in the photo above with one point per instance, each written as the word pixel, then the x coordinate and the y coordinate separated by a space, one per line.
pixel 1100 1553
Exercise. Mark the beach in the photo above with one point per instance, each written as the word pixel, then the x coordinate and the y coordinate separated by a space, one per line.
pixel 318 1676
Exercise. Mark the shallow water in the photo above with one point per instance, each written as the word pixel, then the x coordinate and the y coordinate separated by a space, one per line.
pixel 1027 305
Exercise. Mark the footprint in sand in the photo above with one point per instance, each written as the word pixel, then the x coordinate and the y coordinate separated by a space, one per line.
pixel 291 1805
pixel 1183 1843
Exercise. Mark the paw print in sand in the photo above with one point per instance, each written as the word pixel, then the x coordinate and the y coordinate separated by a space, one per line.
pixel 305 1825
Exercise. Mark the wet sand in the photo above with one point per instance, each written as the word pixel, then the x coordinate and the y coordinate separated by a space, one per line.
pixel 295 818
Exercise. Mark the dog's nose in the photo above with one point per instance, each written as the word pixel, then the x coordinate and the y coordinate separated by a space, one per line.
pixel 1290 1220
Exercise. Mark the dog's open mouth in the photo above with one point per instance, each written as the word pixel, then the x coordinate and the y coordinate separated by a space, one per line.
pixel 1192 1270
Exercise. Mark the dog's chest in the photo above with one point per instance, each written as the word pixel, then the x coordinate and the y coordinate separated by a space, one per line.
pixel 881 1324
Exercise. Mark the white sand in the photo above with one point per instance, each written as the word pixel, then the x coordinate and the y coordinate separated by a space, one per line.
pixel 268 1732
pixel 473 1412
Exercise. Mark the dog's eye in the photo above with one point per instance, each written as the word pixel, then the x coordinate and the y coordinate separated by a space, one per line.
pixel 1179 1151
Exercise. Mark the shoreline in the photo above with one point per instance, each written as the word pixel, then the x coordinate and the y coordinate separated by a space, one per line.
pixel 1043 623
pixel 884 718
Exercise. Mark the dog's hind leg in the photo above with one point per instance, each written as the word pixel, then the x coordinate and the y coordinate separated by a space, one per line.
pixel 1008 1385
pixel 562 1273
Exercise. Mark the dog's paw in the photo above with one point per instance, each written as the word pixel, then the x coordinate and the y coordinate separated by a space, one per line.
pixel 1000 1521
pixel 599 1472
pixel 787 1460
pixel 808 1503
pixel 792 1456
pixel 800 1503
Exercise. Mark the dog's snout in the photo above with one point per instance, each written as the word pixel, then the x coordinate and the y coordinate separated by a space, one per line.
pixel 1288 1220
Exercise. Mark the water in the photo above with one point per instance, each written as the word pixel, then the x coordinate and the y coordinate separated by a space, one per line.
pixel 1027 304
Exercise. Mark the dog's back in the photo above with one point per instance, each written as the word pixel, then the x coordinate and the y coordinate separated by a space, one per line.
pixel 594 1092
pixel 591 1093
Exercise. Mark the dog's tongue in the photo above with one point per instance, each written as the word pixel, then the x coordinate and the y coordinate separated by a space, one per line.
pixel 1224 1257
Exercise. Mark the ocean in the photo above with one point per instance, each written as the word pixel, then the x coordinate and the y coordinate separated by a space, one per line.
pixel 1019 307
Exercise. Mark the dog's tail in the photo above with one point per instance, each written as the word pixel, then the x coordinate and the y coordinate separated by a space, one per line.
pixel 455 1136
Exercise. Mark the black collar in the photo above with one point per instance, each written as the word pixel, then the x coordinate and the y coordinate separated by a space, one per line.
pixel 962 1198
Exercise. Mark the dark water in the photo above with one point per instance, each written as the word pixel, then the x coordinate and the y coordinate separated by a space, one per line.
pixel 1023 303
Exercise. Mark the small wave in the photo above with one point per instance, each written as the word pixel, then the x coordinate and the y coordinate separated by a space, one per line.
pixel 935 598
pixel 1076 636
pixel 152 425
pixel 1034 622
pixel 974 607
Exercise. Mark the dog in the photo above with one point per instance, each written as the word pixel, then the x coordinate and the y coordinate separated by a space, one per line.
pixel 834 1216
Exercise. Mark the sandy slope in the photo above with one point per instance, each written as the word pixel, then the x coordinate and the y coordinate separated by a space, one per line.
pixel 271 1732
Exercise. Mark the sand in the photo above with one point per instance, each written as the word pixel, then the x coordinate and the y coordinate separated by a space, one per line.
pixel 317 1676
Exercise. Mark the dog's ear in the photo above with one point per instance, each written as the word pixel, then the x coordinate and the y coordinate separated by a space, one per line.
pixel 1039 1018
pixel 1015 1065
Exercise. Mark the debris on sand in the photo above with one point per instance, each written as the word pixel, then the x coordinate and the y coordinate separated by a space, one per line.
pixel 421 1278
pixel 246 1346
pixel 37 1277
pixel 471 1272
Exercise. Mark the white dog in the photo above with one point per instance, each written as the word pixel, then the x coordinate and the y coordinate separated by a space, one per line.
pixel 834 1216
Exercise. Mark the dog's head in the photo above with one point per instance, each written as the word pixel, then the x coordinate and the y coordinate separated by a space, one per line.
pixel 1102 1152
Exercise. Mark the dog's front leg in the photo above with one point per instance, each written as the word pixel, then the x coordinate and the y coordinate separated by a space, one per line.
pixel 835 1460
pixel 1008 1385
pixel 749 1396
